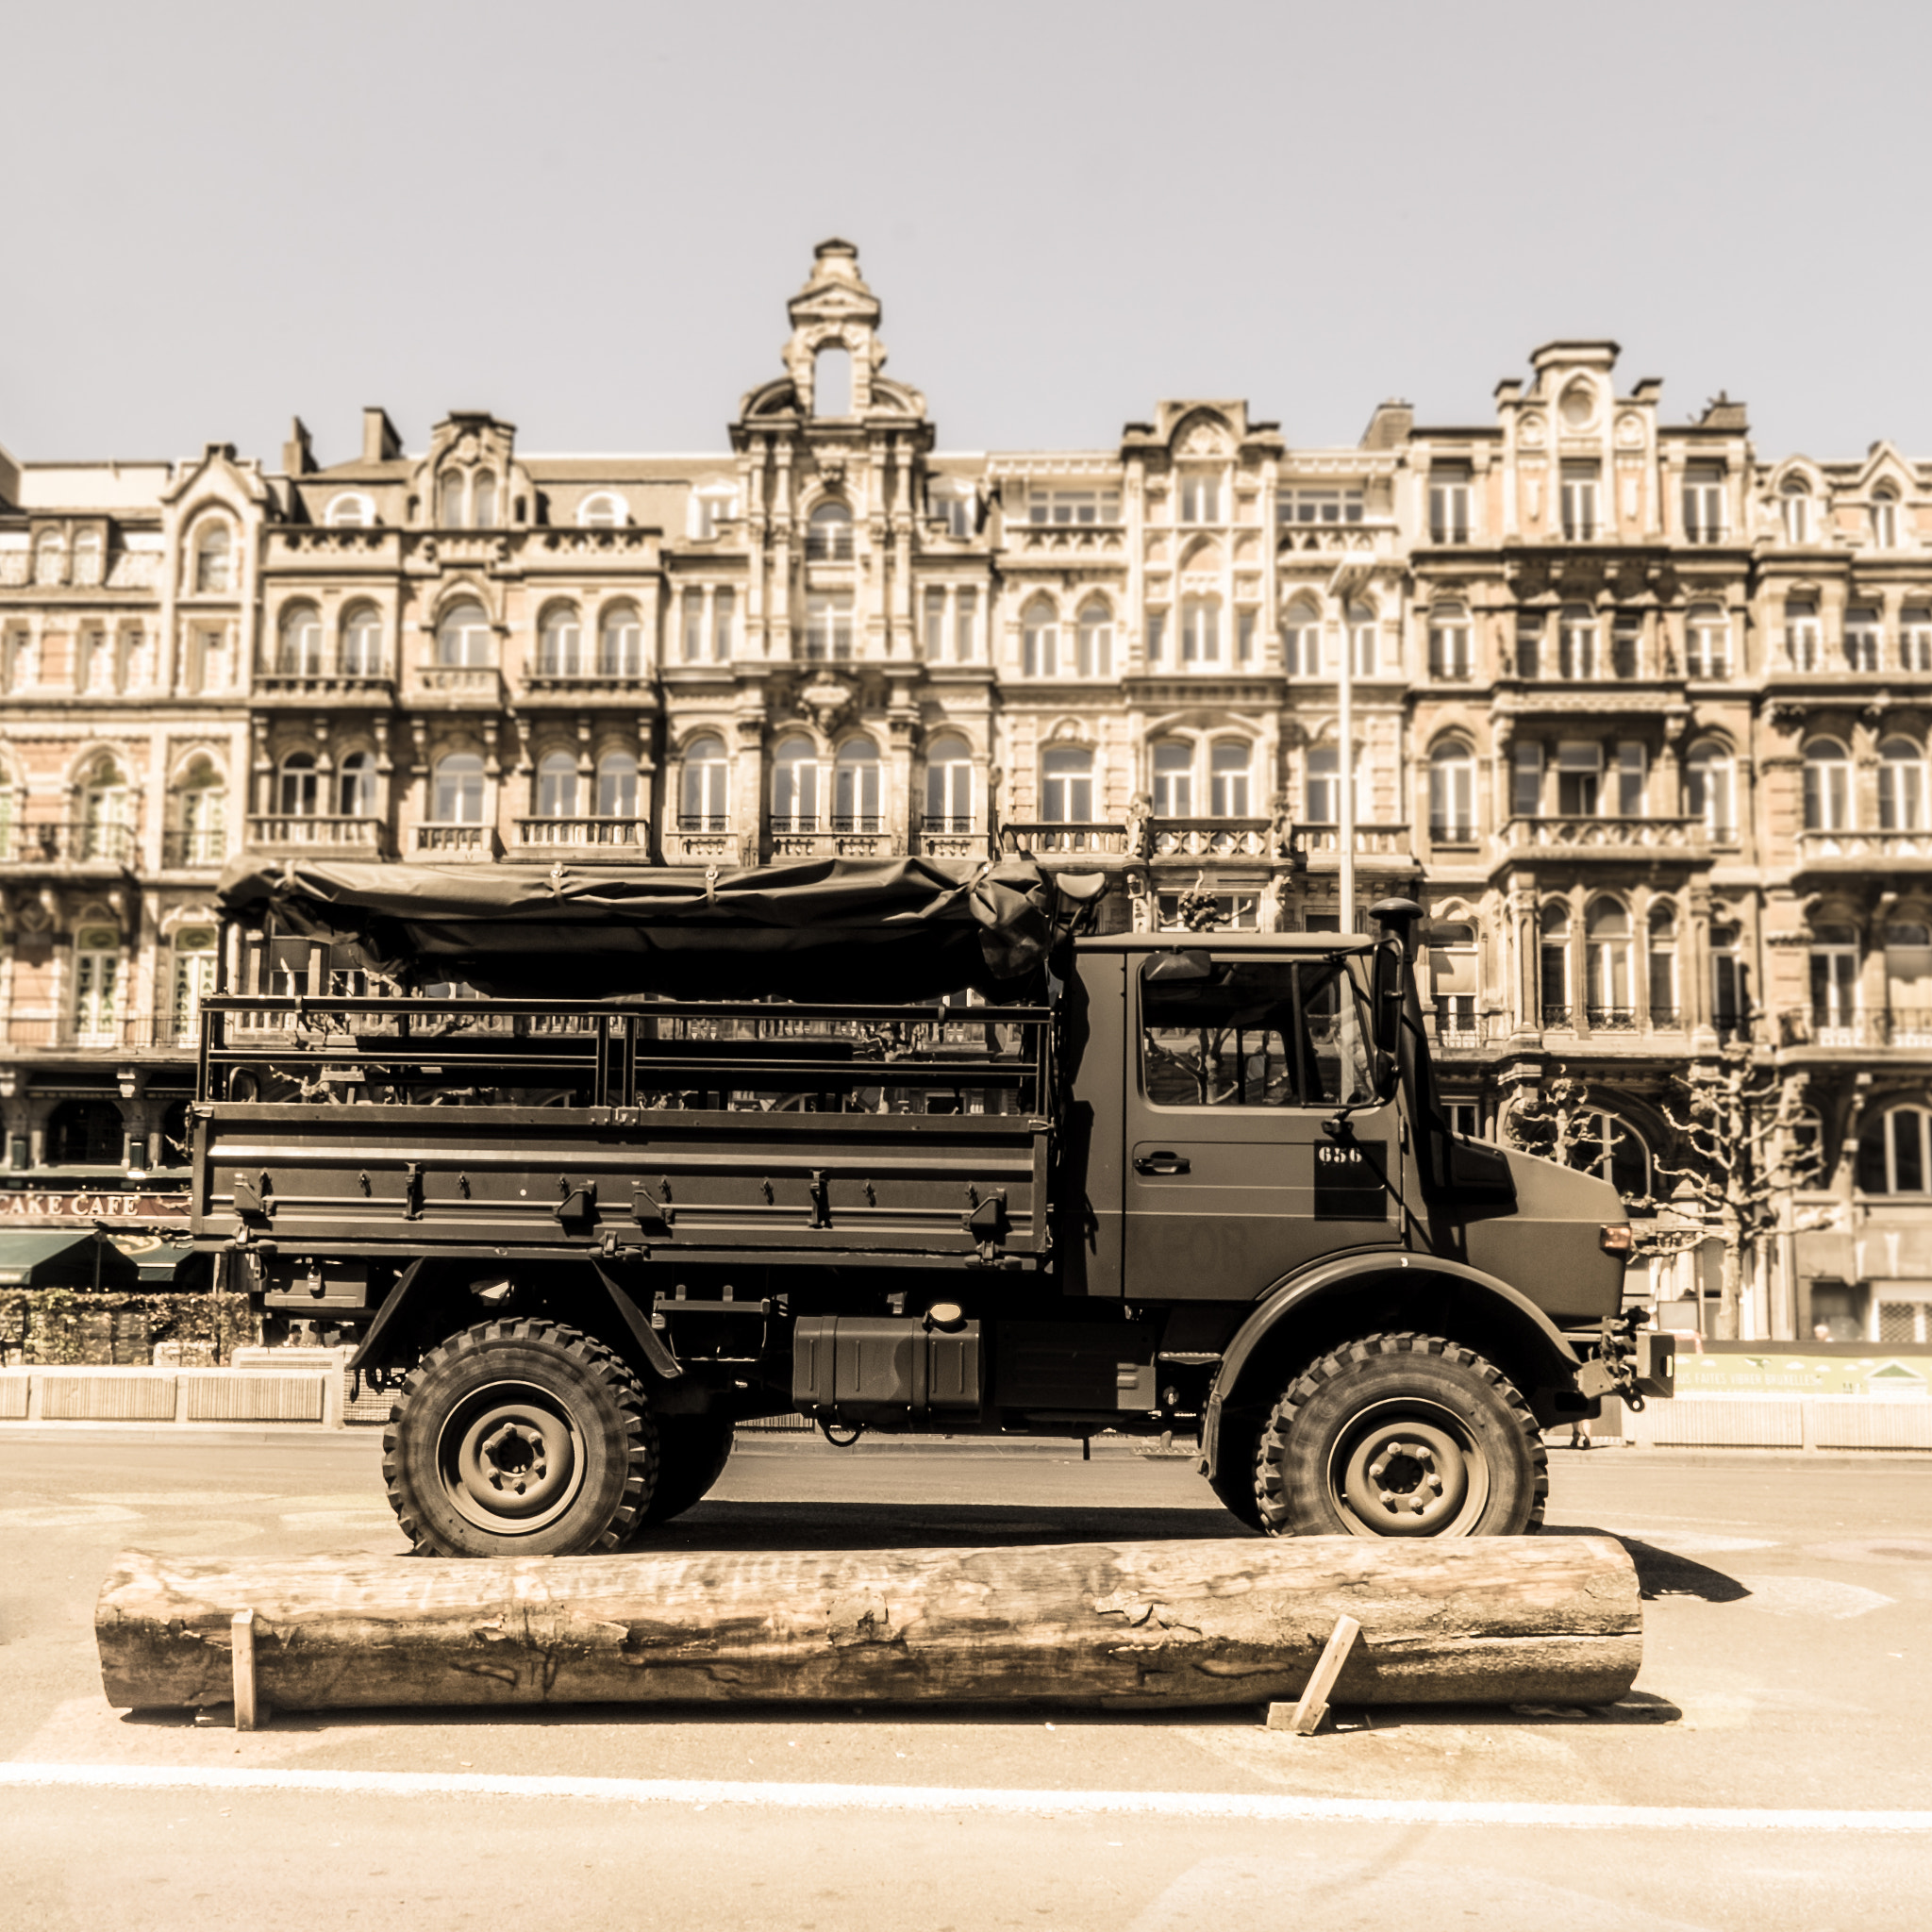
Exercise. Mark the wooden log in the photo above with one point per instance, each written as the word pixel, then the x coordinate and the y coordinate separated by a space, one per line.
pixel 1491 1619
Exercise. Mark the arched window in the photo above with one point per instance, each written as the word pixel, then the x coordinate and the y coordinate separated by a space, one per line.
pixel 617 784
pixel 620 643
pixel 1711 790
pixel 1794 507
pixel 704 801
pixel 1301 640
pixel 1804 641
pixel 1576 640
pixel 1614 1151
pixel 1900 786
pixel 193 977
pixel 1895 1153
pixel 1449 658
pixel 86 558
pixel 1096 640
pixel 449 499
pixel 1452 963
pixel 948 784
pixel 352 511
pixel 203 815
pixel 1828 786
pixel 1200 630
pixel 50 557
pixel 483 498
pixel 831 381
pixel 1228 765
pixel 795 785
pixel 1452 793
pixel 1707 641
pixel 1662 932
pixel 828 626
pixel 1864 628
pixel 1554 961
pixel 855 787
pixel 1607 992
pixel 86 1133
pixel 355 786
pixel 557 784
pixel 1040 639
pixel 362 641
pixel 1362 640
pixel 560 646
pixel 298 786
pixel 457 798
pixel 298 652
pixel 829 535
pixel 104 832
pixel 1730 997
pixel 602 510
pixel 1066 786
pixel 464 636
pixel 1322 788
pixel 1885 517
pixel 214 559
pixel 1174 779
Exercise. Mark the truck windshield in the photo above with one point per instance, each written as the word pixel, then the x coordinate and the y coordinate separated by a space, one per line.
pixel 1254 1033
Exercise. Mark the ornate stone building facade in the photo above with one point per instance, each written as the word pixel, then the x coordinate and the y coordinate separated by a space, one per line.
pixel 1639 713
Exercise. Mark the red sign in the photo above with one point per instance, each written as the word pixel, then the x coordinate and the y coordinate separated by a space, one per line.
pixel 128 1204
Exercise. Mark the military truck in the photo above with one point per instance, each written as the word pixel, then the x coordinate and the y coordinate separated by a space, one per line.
pixel 596 1166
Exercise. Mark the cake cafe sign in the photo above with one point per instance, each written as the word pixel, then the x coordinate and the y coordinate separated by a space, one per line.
pixel 89 1205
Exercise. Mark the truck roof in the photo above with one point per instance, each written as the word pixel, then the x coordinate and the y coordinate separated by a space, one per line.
pixel 1227 942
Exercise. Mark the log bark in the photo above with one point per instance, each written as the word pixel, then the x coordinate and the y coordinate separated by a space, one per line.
pixel 1491 1619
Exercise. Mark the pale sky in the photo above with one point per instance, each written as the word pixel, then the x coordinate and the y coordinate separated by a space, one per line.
pixel 588 216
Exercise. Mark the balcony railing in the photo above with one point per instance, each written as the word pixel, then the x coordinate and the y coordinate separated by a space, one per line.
pixel 1046 838
pixel 1611 1019
pixel 452 843
pixel 1374 842
pixel 196 848
pixel 1557 1016
pixel 478 683
pixel 704 822
pixel 719 845
pixel 1208 837
pixel 363 835
pixel 286 681
pixel 1613 836
pixel 618 839
pixel 1898 1026
pixel 788 841
pixel 74 1033
pixel 81 843
pixel 1848 851
pixel 949 838
pixel 1451 1027
pixel 1065 540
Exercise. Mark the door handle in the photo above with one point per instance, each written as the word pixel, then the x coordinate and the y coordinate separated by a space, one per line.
pixel 1162 1163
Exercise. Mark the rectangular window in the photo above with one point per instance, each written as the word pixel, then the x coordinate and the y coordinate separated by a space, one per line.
pixel 1449 650
pixel 1631 766
pixel 693 627
pixel 1862 635
pixel 1252 1033
pixel 1448 506
pixel 1200 631
pixel 1579 778
pixel 829 626
pixel 1580 482
pixel 1072 507
pixel 935 626
pixel 1707 646
pixel 1156 637
pixel 1299 506
pixel 1301 646
pixel 1626 641
pixel 1577 647
pixel 1465 1118
pixel 1802 636
pixel 1323 793
pixel 965 627
pixel 1529 643
pixel 1200 499
pixel 1526 782
pixel 1704 503
pixel 1915 641
pixel 1244 637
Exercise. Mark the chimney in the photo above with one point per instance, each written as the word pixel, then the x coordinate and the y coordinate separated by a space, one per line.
pixel 298 459
pixel 380 442
pixel 1390 425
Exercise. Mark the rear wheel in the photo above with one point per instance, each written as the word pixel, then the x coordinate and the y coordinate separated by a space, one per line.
pixel 1401 1435
pixel 520 1439
pixel 693 1450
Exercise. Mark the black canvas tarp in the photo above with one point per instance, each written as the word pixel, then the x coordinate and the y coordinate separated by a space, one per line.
pixel 846 930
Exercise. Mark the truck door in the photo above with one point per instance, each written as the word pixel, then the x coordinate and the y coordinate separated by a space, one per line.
pixel 1236 1060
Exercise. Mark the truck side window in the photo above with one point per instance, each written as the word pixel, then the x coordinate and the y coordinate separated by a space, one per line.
pixel 1252 1033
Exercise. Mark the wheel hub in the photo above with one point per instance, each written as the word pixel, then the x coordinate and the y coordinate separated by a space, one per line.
pixel 515 1457
pixel 1401 1473
pixel 509 1459
pixel 1405 1476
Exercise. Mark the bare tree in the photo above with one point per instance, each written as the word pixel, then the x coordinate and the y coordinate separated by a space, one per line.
pixel 1555 1119
pixel 1743 1157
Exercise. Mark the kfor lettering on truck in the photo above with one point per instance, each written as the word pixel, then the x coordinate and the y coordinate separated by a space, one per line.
pixel 596 1166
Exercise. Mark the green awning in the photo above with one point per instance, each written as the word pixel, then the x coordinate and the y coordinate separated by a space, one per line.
pixel 64 1257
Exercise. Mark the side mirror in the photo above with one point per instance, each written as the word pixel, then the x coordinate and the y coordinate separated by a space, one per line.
pixel 1388 989
pixel 1169 969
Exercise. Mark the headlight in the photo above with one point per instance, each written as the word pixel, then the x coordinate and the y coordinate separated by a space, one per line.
pixel 1616 1241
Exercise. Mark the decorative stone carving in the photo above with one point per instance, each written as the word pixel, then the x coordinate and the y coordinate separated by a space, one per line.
pixel 826 700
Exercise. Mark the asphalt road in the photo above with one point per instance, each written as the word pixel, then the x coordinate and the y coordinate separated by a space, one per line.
pixel 1788 1624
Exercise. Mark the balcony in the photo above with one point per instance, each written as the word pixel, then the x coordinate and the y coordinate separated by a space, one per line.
pixel 460 685
pixel 949 838
pixel 1371 842
pixel 1453 1029
pixel 1610 1019
pixel 1065 540
pixel 551 685
pixel 857 837
pixel 83 844
pixel 313 684
pixel 1207 838
pixel 1853 852
pixel 1591 836
pixel 353 837
pixel 1906 1027
pixel 1046 839
pixel 708 839
pixel 446 843
pixel 30 1033
pixel 189 851
pixel 1370 537
pixel 585 840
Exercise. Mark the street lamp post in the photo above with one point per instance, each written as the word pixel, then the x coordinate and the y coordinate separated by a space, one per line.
pixel 1343 582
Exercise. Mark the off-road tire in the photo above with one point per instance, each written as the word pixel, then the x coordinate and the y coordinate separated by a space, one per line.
pixel 693 1450
pixel 528 1400
pixel 1401 1435
pixel 1232 1478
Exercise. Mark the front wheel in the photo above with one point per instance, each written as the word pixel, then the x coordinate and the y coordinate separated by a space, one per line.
pixel 1401 1435
pixel 520 1439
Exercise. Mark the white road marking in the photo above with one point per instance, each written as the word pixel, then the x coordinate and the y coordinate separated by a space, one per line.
pixel 939 1798
pixel 1811 1596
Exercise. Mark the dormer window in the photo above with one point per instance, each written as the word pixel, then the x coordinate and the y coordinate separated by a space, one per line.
pixel 710 511
pixel 484 498
pixel 1884 520
pixel 352 511
pixel 214 572
pixel 1579 501
pixel 601 512
pixel 1794 507
pixel 1072 507
pixel 50 557
pixel 1704 503
pixel 1299 506
pixel 86 558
